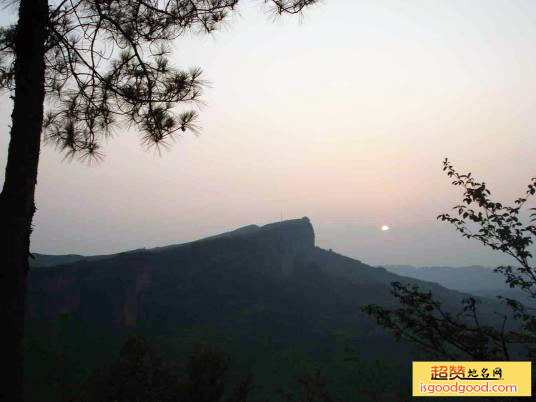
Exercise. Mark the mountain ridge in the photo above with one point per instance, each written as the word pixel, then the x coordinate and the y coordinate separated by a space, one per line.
pixel 48 260
pixel 127 288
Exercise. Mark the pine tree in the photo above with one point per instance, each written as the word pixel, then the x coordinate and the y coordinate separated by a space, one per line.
pixel 74 69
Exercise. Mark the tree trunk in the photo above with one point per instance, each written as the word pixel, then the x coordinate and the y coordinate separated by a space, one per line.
pixel 17 198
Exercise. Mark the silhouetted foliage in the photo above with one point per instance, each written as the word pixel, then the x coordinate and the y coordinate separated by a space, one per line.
pixel 108 61
pixel 242 390
pixel 76 68
pixel 312 388
pixel 207 369
pixel 423 320
pixel 140 374
pixel 376 380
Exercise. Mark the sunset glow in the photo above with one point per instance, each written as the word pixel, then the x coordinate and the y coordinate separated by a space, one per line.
pixel 282 128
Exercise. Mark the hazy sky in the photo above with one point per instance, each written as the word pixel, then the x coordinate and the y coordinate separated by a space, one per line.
pixel 343 116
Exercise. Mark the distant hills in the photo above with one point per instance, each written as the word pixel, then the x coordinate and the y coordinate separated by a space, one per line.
pixel 44 260
pixel 477 280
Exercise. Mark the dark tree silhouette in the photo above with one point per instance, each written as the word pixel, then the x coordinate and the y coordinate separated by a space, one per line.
pixel 422 319
pixel 76 68
pixel 208 380
pixel 313 387
pixel 140 374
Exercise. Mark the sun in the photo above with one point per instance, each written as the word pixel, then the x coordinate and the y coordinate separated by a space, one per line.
pixel 385 228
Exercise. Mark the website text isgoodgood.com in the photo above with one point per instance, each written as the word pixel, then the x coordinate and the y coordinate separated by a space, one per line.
pixel 461 389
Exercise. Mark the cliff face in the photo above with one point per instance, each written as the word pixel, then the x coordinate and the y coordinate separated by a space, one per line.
pixel 294 235
pixel 105 291
pixel 288 241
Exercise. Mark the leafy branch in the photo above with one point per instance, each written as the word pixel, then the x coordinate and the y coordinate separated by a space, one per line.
pixel 421 318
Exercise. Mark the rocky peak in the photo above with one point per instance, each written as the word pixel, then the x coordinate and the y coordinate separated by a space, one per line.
pixel 296 234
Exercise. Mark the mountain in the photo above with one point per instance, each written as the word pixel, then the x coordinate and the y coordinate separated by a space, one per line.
pixel 477 280
pixel 249 273
pixel 44 260
pixel 269 288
